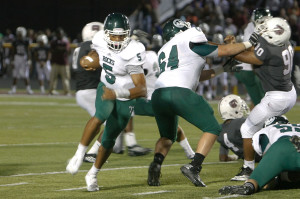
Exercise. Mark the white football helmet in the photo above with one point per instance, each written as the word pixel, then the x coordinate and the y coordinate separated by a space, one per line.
pixel 232 107
pixel 204 27
pixel 43 39
pixel 21 31
pixel 218 38
pixel 90 29
pixel 275 30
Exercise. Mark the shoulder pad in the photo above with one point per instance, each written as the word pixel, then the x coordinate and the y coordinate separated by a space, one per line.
pixel 195 35
pixel 133 48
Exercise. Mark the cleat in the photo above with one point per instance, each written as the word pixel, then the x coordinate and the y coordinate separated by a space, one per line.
pixel 74 164
pixel 12 92
pixel 91 182
pixel 246 189
pixel 295 140
pixel 137 150
pixel 154 174
pixel 29 92
pixel 89 157
pixel 192 173
pixel 243 175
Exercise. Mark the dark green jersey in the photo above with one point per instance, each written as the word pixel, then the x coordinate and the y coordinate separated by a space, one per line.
pixel 275 73
pixel 84 79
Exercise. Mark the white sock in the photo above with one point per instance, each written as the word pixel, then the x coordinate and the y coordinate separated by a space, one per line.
pixel 118 147
pixel 14 88
pixel 130 139
pixel 28 88
pixel 187 148
pixel 94 148
pixel 42 89
pixel 81 149
pixel 93 170
pixel 250 164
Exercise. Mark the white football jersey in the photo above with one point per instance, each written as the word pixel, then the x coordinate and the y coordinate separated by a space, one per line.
pixel 247 33
pixel 114 65
pixel 274 132
pixel 179 65
pixel 151 70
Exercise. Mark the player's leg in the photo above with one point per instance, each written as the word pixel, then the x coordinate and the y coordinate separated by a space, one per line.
pixel 205 121
pixel 117 121
pixel 167 123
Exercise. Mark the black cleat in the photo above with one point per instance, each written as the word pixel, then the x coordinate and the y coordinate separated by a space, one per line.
pixel 154 174
pixel 137 150
pixel 89 157
pixel 192 173
pixel 295 140
pixel 246 189
pixel 243 175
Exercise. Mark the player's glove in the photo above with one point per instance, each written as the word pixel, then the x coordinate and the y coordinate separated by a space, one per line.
pixel 253 38
pixel 245 189
pixel 297 75
pixel 231 65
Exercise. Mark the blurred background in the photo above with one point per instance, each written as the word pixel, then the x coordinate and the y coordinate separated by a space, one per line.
pixel 146 18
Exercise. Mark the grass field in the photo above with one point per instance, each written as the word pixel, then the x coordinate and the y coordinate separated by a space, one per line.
pixel 38 134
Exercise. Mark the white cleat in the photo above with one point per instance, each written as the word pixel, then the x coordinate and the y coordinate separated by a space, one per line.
pixel 74 164
pixel 91 182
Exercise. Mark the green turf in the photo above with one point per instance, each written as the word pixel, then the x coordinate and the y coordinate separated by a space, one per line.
pixel 38 134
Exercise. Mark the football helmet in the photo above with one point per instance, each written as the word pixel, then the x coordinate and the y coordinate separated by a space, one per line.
pixel 21 31
pixel 218 38
pixel 275 30
pixel 276 120
pixel 232 107
pixel 204 27
pixel 42 39
pixel 260 15
pixel 117 24
pixel 157 40
pixel 90 29
pixel 173 27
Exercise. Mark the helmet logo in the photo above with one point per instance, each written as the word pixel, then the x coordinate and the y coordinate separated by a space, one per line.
pixel 178 23
pixel 279 30
pixel 96 27
pixel 233 103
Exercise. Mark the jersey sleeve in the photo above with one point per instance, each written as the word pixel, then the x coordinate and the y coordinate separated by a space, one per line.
pixel 261 51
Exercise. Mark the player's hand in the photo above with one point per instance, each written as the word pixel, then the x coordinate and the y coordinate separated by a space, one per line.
pixel 253 38
pixel 108 94
pixel 231 66
pixel 229 39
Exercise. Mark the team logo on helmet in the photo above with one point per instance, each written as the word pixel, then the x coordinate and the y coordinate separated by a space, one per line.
pixel 233 103
pixel 178 23
pixel 96 27
pixel 279 30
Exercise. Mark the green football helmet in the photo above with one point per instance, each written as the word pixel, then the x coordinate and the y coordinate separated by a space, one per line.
pixel 116 24
pixel 173 27
pixel 259 15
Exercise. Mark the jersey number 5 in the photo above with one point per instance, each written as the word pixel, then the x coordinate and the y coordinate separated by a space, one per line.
pixel 172 60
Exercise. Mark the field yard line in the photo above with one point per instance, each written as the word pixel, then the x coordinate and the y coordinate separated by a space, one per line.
pixel 110 169
pixel 71 189
pixel 152 192
pixel 38 104
pixel 15 184
pixel 38 144
pixel 230 196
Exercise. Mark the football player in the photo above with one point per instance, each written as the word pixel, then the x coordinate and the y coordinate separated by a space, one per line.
pixel 247 75
pixel 273 56
pixel 279 143
pixel 233 110
pixel 86 88
pixel 181 61
pixel 22 60
pixel 122 81
pixel 42 60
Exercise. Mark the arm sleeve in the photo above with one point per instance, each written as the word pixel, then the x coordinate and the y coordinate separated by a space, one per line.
pixel 134 69
pixel 204 49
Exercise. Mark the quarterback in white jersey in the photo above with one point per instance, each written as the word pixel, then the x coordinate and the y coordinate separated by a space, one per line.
pixel 181 61
pixel 279 143
pixel 122 81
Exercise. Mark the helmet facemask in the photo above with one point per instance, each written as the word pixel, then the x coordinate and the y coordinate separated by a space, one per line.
pixel 117 46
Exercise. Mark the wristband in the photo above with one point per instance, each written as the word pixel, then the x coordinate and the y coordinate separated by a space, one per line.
pixel 122 93
pixel 247 44
pixel 218 70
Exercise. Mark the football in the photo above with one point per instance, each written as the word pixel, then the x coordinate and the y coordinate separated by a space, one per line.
pixel 90 61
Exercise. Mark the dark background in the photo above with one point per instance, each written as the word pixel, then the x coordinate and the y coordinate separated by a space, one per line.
pixel 71 15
